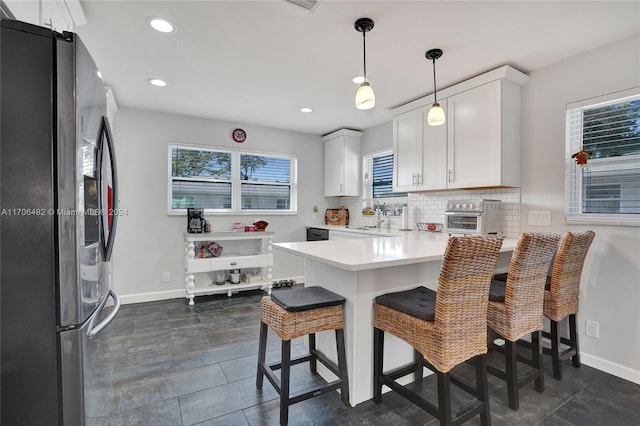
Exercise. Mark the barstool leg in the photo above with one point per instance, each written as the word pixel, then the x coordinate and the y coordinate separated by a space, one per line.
pixel 512 373
pixel 417 360
pixel 313 364
pixel 444 398
pixel 536 356
pixel 573 335
pixel 262 350
pixel 555 351
pixel 284 382
pixel 482 388
pixel 342 366
pixel 378 351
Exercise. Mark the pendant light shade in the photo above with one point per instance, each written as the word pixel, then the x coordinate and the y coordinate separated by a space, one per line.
pixel 365 98
pixel 436 113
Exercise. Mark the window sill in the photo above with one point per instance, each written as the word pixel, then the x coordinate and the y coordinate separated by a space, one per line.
pixel 602 221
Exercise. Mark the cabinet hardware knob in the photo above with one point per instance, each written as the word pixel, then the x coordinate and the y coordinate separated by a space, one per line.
pixel 233 263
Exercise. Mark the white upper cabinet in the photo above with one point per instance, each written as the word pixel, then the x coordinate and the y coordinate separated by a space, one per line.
pixel 342 163
pixel 59 15
pixel 407 152
pixel 478 146
pixel 420 152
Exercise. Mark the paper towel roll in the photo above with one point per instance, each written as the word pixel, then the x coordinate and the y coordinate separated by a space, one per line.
pixel 405 217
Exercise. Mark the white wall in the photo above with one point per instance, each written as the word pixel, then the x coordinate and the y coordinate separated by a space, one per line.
pixel 149 240
pixel 610 291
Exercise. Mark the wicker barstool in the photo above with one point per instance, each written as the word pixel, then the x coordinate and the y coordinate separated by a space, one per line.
pixel 294 313
pixel 445 328
pixel 515 309
pixel 561 297
pixel 561 300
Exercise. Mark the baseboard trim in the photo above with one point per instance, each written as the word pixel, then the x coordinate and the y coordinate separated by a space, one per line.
pixel 610 367
pixel 155 296
pixel 152 296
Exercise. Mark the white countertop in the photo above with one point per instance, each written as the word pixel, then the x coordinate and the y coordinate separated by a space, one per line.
pixel 377 252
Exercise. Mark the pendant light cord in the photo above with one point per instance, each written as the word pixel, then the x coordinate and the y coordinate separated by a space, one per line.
pixel 435 92
pixel 364 48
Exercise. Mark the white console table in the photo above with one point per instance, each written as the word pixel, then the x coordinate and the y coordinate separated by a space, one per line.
pixel 240 250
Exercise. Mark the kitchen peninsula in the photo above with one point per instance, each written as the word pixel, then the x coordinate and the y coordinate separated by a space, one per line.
pixel 360 270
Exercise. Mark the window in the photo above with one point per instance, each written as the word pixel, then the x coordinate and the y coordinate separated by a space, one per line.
pixel 230 181
pixel 607 189
pixel 378 176
pixel 265 182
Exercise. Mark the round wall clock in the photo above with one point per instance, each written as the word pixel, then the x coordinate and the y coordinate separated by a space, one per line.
pixel 239 135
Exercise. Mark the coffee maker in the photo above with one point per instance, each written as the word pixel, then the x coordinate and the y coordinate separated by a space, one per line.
pixel 195 221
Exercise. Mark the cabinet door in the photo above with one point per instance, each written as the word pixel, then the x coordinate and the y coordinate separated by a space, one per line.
pixel 352 161
pixel 434 153
pixel 55 15
pixel 334 167
pixel 407 150
pixel 474 138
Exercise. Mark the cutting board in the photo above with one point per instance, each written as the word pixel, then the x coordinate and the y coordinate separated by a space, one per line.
pixel 336 217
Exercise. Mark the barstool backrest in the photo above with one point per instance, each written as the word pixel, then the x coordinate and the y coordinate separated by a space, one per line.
pixel 524 293
pixel 462 296
pixel 564 289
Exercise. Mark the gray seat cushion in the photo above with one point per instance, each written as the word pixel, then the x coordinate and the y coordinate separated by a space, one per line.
pixel 306 298
pixel 419 302
pixel 497 290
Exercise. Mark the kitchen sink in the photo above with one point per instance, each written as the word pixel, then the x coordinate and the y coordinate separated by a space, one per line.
pixel 364 228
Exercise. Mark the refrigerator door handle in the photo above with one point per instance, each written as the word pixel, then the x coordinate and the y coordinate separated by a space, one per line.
pixel 92 331
pixel 108 213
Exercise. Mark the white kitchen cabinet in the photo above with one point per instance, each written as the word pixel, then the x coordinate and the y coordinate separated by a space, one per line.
pixel 479 144
pixel 407 150
pixel 420 152
pixel 484 136
pixel 240 250
pixel 59 15
pixel 342 163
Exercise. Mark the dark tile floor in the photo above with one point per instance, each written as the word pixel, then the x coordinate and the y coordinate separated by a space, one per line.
pixel 175 364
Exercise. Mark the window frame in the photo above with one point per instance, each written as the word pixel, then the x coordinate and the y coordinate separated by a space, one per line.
pixel 574 184
pixel 367 180
pixel 236 181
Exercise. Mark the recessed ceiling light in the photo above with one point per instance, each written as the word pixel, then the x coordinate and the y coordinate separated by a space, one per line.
pixel 358 79
pixel 306 109
pixel 99 74
pixel 162 25
pixel 157 82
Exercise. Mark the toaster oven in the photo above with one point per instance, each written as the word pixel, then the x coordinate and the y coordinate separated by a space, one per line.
pixel 473 217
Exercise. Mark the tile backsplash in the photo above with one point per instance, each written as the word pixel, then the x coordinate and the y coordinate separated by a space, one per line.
pixel 430 207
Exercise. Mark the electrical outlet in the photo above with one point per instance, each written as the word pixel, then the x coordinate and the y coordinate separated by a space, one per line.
pixel 592 329
pixel 540 217
pixel 166 277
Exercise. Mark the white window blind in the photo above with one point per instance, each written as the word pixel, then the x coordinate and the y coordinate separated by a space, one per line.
pixel 200 178
pixel 230 181
pixel 607 188
pixel 265 182
pixel 378 176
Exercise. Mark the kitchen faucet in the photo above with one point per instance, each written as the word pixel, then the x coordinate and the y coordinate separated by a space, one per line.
pixel 379 219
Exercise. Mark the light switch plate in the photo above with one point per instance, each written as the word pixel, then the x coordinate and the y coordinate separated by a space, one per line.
pixel 540 217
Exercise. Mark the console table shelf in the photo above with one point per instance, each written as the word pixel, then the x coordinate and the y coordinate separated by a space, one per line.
pixel 240 250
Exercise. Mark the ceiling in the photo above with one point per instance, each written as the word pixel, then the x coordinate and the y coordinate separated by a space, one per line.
pixel 259 62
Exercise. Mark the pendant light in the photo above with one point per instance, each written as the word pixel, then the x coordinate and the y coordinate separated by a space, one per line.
pixel 365 98
pixel 436 113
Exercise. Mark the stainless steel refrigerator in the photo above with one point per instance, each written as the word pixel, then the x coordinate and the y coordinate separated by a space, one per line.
pixel 58 216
